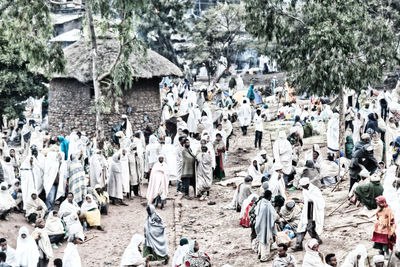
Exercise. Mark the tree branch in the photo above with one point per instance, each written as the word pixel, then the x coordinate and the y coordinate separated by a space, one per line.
pixel 281 12
pixel 115 62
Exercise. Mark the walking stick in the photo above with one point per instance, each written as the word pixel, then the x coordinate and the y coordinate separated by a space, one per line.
pixel 369 263
pixel 291 226
pixel 390 259
pixel 341 204
pixel 341 179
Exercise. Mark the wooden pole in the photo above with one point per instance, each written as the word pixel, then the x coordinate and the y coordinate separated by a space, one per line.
pixel 341 204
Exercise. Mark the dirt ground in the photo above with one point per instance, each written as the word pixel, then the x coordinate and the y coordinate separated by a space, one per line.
pixel 216 229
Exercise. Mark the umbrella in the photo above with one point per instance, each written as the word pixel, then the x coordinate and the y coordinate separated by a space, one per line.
pixel 239 95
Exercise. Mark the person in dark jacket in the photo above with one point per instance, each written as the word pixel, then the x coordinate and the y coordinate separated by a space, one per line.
pixel 372 123
pixel 364 157
pixel 349 146
pixel 365 139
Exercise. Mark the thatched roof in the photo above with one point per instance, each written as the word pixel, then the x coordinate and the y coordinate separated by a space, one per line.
pixel 79 61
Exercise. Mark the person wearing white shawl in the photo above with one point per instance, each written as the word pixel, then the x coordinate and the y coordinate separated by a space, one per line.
pixel 115 179
pixel 152 151
pixel 43 243
pixel 157 190
pixel 28 177
pixel 98 169
pixel 392 131
pixel 10 253
pixel 204 173
pixel 276 182
pixel 358 124
pixel 71 255
pixel 132 255
pixel 68 206
pixel 312 257
pixel 136 171
pixel 265 162
pixel 171 158
pixel 180 253
pixel 377 146
pixel 124 170
pixel 56 173
pixel 254 171
pixel 333 133
pixel 127 126
pixel 6 201
pixel 265 229
pixel 244 115
pixel 35 208
pixel 356 257
pixel 283 152
pixel 208 125
pixel 90 212
pixel 54 228
pixel 37 138
pixel 193 119
pixel 311 222
pixel 27 252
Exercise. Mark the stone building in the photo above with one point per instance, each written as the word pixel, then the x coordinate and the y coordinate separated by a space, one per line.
pixel 71 94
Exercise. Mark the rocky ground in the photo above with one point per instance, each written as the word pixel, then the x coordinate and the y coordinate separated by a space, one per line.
pixel 216 229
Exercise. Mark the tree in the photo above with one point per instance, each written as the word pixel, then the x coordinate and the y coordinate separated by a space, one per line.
pixel 160 20
pixel 27 60
pixel 116 18
pixel 219 33
pixel 326 46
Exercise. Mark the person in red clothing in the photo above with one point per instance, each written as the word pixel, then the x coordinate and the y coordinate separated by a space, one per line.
pixel 195 257
pixel 384 230
pixel 246 207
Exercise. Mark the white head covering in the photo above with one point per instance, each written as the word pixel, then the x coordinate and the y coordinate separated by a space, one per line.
pixel 132 255
pixel 375 178
pixel 86 206
pixel 364 173
pixel 27 252
pixel 304 181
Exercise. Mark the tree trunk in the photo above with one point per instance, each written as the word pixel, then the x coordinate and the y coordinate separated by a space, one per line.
pixel 95 76
pixel 341 124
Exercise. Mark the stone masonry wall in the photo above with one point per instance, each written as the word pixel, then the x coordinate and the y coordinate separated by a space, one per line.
pixel 71 105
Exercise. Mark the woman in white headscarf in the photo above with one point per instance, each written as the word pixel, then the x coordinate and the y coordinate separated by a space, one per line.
pixel 283 152
pixel 133 253
pixel 157 190
pixel 27 252
pixel 312 258
pixel 356 257
pixel 180 253
pixel 254 171
pixel 6 201
pixel 333 133
pixel 90 212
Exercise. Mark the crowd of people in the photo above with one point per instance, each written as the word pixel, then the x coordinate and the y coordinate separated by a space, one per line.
pixel 63 185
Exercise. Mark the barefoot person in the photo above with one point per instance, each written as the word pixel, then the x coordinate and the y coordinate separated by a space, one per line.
pixel 157 190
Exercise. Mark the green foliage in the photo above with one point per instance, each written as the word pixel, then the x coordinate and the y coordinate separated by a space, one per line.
pixel 326 45
pixel 219 33
pixel 26 57
pixel 160 20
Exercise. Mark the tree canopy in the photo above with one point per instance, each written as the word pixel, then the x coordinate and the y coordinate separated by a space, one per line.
pixel 160 20
pixel 326 46
pixel 27 59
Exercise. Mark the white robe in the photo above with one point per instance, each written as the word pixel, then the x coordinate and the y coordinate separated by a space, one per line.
pixel 52 167
pixel 11 256
pixel 27 252
pixel 28 184
pixel 277 186
pixel 71 256
pixel 244 115
pixel 315 195
pixel 333 132
pixel 98 169
pixel 170 153
pixel 125 172
pixel 283 152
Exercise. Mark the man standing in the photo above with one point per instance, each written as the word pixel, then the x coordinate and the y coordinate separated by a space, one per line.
pixel 283 259
pixel 9 251
pixel 259 123
pixel 312 217
pixel 384 229
pixel 228 128
pixel 56 174
pixel 362 158
pixel 188 169
pixel 265 229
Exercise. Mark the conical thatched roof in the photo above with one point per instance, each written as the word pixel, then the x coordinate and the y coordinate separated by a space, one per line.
pixel 79 61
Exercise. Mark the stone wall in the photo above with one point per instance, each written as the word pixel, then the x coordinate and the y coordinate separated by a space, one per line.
pixel 71 105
